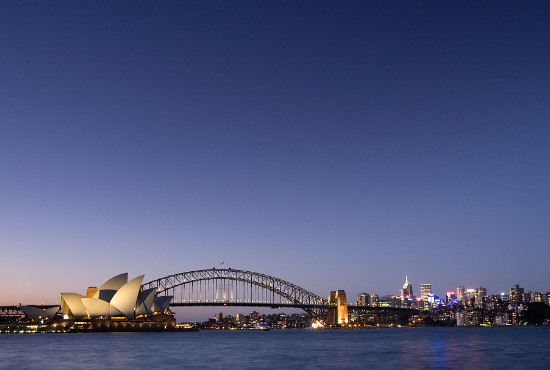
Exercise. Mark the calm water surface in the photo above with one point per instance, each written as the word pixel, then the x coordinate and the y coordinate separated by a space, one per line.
pixel 418 348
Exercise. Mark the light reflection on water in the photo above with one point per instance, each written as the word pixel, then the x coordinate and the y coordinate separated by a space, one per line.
pixel 419 348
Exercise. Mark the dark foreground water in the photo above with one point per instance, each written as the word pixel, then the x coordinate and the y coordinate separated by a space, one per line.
pixel 417 348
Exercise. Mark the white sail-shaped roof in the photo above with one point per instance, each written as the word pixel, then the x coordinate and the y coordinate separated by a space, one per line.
pixel 145 302
pixel 161 303
pixel 71 305
pixel 37 314
pixel 126 298
pixel 115 283
pixel 98 307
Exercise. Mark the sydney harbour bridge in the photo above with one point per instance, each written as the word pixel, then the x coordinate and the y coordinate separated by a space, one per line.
pixel 230 287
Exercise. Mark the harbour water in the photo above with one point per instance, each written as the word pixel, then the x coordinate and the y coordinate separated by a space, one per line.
pixel 406 348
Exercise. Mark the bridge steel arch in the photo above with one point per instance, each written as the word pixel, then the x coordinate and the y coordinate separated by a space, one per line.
pixel 313 304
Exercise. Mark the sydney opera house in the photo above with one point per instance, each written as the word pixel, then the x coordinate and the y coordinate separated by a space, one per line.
pixel 117 298
pixel 118 305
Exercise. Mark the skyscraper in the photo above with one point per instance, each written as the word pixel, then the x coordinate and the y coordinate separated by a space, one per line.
pixel 425 291
pixel 460 293
pixel 451 296
pixel 407 291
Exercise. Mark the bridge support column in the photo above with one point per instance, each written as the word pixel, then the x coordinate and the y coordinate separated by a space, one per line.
pixel 338 310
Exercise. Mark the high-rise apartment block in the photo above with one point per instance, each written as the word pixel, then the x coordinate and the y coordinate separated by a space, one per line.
pixel 362 299
pixel 254 316
pixel 516 294
pixel 460 293
pixel 481 293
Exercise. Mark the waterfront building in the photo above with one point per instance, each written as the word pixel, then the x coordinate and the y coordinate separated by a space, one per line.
pixel 38 314
pixel 254 316
pixel 462 319
pixel 116 298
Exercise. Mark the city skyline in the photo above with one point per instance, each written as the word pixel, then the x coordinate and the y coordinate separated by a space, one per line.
pixel 335 145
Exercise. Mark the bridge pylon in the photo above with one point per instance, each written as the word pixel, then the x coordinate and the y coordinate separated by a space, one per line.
pixel 338 308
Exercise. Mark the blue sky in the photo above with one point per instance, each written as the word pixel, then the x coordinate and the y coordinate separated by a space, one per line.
pixel 336 145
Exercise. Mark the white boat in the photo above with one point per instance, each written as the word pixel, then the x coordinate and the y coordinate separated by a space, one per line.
pixel 261 326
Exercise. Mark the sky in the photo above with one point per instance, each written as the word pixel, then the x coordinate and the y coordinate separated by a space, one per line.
pixel 331 144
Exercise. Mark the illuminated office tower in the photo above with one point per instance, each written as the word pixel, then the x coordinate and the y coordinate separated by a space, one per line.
pixel 425 291
pixel 470 297
pixel 407 291
pixel 451 297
